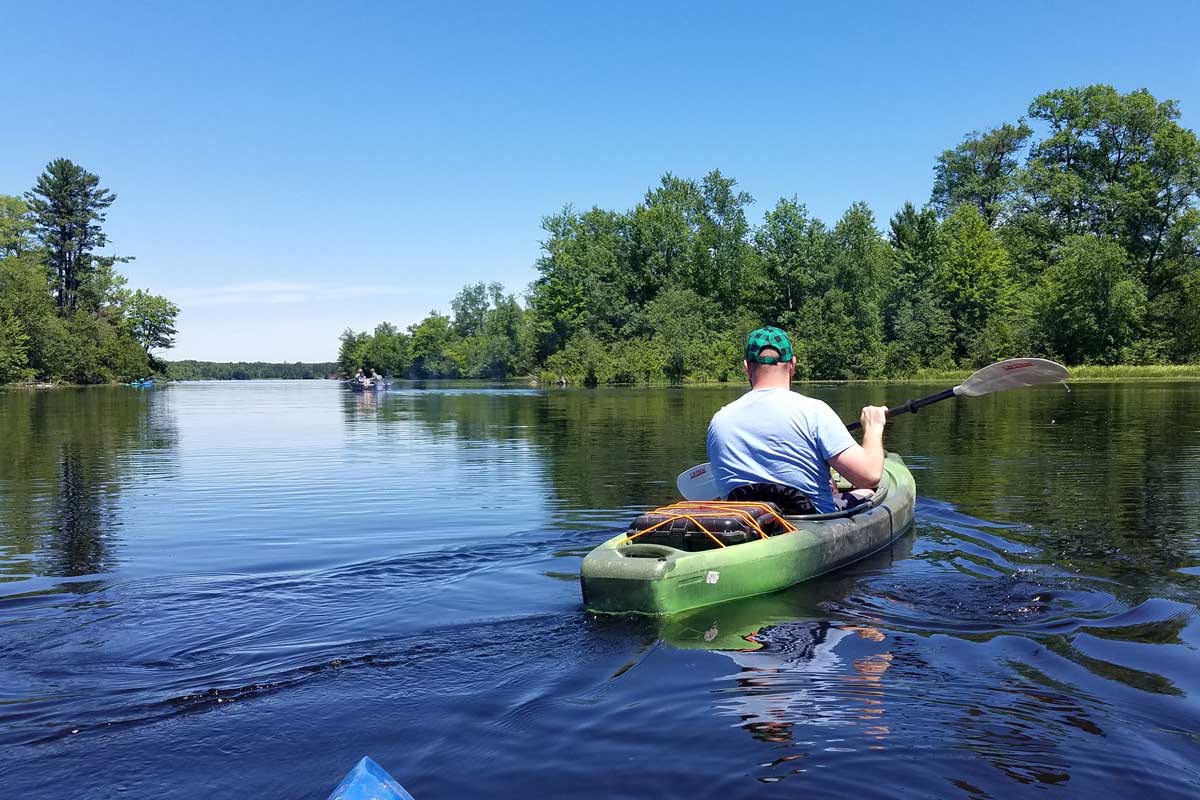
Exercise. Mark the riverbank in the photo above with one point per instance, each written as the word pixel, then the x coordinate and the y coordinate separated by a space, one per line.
pixel 1088 372
pixel 1081 373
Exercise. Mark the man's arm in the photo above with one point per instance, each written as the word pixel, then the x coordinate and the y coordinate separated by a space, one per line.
pixel 862 465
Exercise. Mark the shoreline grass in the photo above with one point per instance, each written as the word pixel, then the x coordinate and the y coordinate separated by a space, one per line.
pixel 1086 372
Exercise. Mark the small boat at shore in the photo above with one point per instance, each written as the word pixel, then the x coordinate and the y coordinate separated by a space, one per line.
pixel 696 554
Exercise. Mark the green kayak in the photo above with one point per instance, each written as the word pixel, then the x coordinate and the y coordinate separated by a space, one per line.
pixel 625 576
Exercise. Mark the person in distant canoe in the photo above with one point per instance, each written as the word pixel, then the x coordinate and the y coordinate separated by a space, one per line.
pixel 773 444
pixel 359 376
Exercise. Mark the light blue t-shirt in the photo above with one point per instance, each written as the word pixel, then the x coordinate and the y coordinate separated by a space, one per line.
pixel 777 436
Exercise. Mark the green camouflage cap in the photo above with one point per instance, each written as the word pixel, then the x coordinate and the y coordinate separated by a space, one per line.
pixel 764 338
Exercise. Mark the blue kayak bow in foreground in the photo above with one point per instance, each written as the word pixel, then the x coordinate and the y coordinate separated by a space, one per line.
pixel 369 781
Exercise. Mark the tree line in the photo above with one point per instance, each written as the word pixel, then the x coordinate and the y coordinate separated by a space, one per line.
pixel 1073 233
pixel 191 370
pixel 65 311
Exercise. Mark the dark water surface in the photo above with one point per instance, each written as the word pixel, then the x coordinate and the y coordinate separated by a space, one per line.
pixel 237 590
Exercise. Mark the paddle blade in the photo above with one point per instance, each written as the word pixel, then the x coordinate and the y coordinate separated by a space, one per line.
pixel 697 483
pixel 1011 374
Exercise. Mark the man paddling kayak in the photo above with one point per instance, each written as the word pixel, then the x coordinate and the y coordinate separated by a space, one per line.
pixel 773 444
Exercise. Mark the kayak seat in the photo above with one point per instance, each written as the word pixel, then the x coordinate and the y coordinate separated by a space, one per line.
pixel 791 501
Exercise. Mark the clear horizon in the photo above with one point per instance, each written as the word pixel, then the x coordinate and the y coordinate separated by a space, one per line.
pixel 285 172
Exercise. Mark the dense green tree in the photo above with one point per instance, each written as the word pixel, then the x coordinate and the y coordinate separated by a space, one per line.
pixel 470 306
pixel 97 351
pixel 793 256
pixel 1074 231
pixel 68 205
pixel 659 247
pixel 352 351
pixel 581 284
pixel 1089 307
pixel 859 264
pixel 977 281
pixel 724 256
pixel 14 350
pixel 1118 165
pixel 65 314
pixel 691 337
pixel 387 351
pixel 983 171
pixel 430 341
pixel 824 333
pixel 26 301
pixel 151 320
pixel 917 325
pixel 190 370
pixel 499 348
pixel 16 226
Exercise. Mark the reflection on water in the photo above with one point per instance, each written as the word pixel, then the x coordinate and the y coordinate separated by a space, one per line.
pixel 861 662
pixel 67 457
pixel 276 578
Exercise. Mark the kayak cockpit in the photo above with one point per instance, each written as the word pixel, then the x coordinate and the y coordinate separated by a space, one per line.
pixel 693 526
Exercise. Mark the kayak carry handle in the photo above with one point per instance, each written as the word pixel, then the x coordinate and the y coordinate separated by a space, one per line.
pixel 646 550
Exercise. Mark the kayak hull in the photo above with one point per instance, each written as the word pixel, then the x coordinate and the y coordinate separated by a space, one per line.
pixel 622 577
pixel 369 781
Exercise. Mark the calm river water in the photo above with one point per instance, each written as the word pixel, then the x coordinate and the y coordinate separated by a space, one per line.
pixel 222 590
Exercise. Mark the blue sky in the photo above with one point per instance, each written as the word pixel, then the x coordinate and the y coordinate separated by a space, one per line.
pixel 285 170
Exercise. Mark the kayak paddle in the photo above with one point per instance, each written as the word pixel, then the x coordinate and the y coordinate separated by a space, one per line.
pixel 698 483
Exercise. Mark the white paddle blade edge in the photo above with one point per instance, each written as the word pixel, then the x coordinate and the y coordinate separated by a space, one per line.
pixel 1012 373
pixel 697 483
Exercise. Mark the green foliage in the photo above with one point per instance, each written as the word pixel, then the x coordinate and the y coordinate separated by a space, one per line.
pixel 14 351
pixel 917 325
pixel 1118 166
pixel 794 254
pixel 64 312
pixel 1074 232
pixel 189 370
pixel 26 315
pixel 68 206
pixel 151 320
pixel 470 306
pixel 981 171
pixel 16 226
pixel 97 351
pixel 387 352
pixel 976 281
pixel 432 339
pixel 1090 308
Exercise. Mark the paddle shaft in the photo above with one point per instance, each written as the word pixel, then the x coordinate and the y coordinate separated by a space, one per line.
pixel 910 406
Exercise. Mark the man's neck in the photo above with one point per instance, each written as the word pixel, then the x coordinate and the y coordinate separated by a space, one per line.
pixel 772 382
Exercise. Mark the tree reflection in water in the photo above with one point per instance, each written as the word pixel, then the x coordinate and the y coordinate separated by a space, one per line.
pixel 68 456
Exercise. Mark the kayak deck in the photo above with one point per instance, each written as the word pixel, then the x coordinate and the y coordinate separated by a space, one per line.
pixel 369 781
pixel 624 577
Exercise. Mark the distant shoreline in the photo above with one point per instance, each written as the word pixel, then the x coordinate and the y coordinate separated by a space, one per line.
pixel 1086 373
